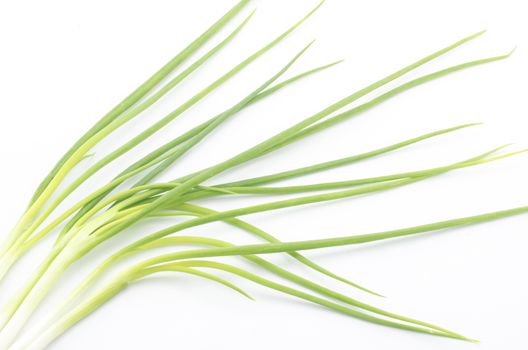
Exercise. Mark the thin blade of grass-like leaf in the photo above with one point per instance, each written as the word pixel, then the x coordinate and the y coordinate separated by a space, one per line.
pixel 200 210
pixel 203 134
pixel 277 139
pixel 88 306
pixel 376 101
pixel 342 184
pixel 317 300
pixel 143 89
pixel 165 268
pixel 280 139
pixel 217 122
pixel 327 165
pixel 188 135
pixel 101 134
pixel 382 180
pixel 270 248
pixel 323 290
pixel 167 119
pixel 311 169
pixel 206 191
pixel 267 206
pixel 79 205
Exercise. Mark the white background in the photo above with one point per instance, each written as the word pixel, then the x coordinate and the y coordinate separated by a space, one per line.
pixel 64 63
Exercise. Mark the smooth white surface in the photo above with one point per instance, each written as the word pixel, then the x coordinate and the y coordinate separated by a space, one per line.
pixel 63 64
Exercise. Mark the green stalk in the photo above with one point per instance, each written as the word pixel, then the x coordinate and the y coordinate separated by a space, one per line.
pixel 184 148
pixel 187 207
pixel 97 218
pixel 283 136
pixel 88 244
pixel 427 328
pixel 164 121
pixel 290 135
pixel 87 204
pixel 19 247
pixel 70 158
pixel 163 150
pixel 93 303
pixel 141 137
pixel 103 133
pixel 227 215
pixel 144 89
pixel 205 191
pixel 358 182
pixel 245 226
pixel 270 248
pixel 315 168
pixel 28 301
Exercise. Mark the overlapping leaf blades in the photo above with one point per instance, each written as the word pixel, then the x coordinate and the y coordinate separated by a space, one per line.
pixel 111 209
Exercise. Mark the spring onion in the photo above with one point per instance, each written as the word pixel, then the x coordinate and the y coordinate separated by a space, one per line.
pixel 134 195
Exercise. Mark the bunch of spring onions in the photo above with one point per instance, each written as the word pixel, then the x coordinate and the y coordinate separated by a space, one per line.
pixel 133 196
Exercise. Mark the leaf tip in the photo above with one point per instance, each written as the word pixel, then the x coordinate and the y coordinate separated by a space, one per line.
pixel 321 3
pixel 306 48
pixel 501 147
pixel 471 340
pixel 468 125
pixel 477 34
pixel 511 52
